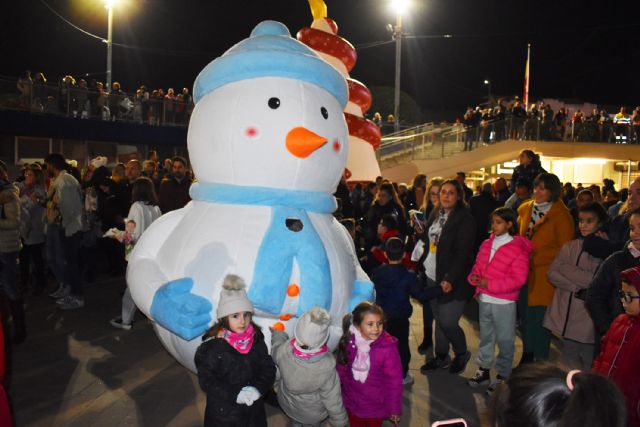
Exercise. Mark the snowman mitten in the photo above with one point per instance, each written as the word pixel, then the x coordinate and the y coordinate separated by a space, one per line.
pixel 363 290
pixel 175 308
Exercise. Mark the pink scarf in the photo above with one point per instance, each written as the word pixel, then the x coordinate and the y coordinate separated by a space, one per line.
pixel 362 363
pixel 241 342
pixel 305 354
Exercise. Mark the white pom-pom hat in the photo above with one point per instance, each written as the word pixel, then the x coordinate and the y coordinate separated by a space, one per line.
pixel 233 297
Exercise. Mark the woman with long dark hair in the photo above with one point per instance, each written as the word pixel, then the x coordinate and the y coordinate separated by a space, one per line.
pixel 450 234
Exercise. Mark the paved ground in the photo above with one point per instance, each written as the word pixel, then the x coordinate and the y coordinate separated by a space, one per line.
pixel 76 370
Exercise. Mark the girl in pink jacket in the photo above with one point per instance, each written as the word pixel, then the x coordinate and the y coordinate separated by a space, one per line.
pixel 500 270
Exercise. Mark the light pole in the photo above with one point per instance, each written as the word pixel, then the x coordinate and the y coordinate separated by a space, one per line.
pixel 109 5
pixel 400 7
pixel 488 83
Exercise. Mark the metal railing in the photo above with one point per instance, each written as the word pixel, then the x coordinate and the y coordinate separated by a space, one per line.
pixel 83 103
pixel 444 140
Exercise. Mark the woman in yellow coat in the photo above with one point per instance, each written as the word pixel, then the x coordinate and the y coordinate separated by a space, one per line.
pixel 545 221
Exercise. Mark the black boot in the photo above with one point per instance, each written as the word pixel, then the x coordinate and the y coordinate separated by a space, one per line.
pixel 19 327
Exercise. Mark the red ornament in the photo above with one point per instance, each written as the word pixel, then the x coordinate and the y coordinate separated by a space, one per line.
pixel 364 129
pixel 330 44
pixel 359 94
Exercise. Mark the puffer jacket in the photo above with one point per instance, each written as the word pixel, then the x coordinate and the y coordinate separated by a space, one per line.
pixel 9 218
pixel 380 396
pixel 570 273
pixel 308 389
pixel 618 360
pixel 507 271
pixel 223 372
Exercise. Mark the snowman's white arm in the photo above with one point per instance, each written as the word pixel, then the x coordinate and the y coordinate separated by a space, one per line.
pixel 144 274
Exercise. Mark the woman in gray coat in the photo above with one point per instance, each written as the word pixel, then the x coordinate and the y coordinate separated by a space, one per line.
pixel 570 274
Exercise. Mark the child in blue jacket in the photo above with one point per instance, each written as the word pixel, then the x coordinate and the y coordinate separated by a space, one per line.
pixel 394 286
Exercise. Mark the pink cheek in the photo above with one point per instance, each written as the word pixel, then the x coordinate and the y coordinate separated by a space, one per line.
pixel 251 132
pixel 337 146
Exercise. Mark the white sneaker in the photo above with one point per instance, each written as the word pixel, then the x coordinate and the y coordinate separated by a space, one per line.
pixel 61 292
pixel 408 379
pixel 71 302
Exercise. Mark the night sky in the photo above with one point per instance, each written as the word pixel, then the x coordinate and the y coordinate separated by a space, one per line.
pixel 581 51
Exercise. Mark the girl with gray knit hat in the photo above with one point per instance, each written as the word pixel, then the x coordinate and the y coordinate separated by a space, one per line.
pixel 234 366
pixel 308 386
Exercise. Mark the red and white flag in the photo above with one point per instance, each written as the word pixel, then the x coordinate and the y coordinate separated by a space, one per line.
pixel 525 98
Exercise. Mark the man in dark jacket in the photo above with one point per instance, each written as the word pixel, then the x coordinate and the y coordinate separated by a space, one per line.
pixel 615 233
pixel 481 207
pixel 468 193
pixel 174 190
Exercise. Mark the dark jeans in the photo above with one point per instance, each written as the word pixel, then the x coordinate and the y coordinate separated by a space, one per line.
pixel 62 255
pixel 32 255
pixel 8 274
pixel 72 275
pixel 399 328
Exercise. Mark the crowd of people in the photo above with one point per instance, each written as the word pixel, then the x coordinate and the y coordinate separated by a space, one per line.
pixel 65 224
pixel 513 120
pixel 91 99
pixel 548 257
pixel 553 258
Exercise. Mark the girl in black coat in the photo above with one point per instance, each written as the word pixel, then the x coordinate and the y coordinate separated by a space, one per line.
pixel 234 366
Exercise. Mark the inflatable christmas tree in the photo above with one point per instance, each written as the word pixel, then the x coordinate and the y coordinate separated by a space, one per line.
pixel 364 135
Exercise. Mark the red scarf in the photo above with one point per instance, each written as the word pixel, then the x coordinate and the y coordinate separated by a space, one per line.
pixel 241 342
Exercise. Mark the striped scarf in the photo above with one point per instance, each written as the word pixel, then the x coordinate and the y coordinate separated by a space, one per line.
pixel 539 211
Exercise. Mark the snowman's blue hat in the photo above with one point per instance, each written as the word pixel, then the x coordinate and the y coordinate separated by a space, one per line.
pixel 270 51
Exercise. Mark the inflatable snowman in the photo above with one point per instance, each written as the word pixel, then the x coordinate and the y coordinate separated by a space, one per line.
pixel 268 143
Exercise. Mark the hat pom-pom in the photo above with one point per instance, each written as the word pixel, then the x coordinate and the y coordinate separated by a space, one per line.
pixel 233 283
pixel 319 316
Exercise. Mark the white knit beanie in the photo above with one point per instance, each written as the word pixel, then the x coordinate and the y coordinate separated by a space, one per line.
pixel 233 298
pixel 312 329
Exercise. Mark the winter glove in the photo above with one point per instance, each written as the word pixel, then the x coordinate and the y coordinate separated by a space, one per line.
pixel 247 396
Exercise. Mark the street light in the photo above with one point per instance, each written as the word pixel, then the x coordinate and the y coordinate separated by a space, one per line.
pixel 488 83
pixel 399 7
pixel 109 5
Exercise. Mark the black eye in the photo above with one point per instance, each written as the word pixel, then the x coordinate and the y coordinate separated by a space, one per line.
pixel 274 103
pixel 324 112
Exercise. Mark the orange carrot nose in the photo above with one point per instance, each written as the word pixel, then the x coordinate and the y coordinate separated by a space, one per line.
pixel 301 142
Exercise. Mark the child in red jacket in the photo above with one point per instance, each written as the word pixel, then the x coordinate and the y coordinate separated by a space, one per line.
pixel 618 358
pixel 501 269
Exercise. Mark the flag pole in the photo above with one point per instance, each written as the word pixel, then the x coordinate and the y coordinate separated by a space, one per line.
pixel 525 98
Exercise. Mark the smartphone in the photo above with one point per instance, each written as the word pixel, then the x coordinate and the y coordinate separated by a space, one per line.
pixel 457 422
